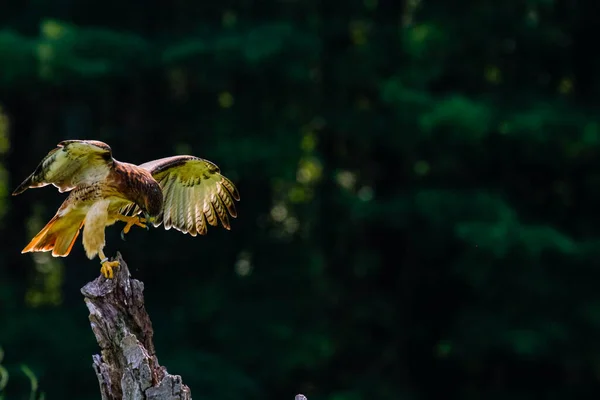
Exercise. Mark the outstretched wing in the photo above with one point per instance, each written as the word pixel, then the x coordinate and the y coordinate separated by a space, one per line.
pixel 195 193
pixel 70 164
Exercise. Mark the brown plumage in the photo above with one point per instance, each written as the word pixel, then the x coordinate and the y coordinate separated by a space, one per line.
pixel 183 192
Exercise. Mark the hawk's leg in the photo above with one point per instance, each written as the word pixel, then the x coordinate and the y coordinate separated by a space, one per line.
pixel 131 221
pixel 107 266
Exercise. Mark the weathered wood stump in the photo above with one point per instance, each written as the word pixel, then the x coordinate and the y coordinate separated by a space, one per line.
pixel 127 367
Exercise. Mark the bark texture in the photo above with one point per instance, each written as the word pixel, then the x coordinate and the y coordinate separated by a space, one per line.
pixel 127 367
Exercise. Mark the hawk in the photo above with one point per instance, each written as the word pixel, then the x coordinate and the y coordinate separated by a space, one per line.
pixel 182 192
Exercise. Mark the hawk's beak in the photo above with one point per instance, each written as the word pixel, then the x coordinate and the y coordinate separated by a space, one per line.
pixel 149 220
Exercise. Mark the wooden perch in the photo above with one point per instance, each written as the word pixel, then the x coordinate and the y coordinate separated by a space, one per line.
pixel 127 367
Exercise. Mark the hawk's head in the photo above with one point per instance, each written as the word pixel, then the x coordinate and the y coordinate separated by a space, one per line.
pixel 152 205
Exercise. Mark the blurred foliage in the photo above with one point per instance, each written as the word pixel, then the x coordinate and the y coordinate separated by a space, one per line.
pixel 34 383
pixel 4 377
pixel 419 187
pixel 3 373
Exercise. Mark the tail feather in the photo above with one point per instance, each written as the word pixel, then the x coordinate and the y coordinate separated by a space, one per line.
pixel 58 235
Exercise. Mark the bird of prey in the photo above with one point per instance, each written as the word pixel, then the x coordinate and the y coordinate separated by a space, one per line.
pixel 182 192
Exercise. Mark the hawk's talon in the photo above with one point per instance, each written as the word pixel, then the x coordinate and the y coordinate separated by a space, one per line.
pixel 131 221
pixel 107 268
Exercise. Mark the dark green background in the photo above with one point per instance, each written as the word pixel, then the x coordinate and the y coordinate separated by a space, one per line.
pixel 419 182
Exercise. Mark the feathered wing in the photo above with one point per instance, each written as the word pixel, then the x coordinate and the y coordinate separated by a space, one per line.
pixel 195 194
pixel 70 164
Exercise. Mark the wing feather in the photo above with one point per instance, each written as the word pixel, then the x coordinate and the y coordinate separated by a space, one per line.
pixel 231 188
pixel 130 209
pixel 221 210
pixel 192 230
pixel 201 222
pixel 183 210
pixel 199 219
pixel 72 163
pixel 168 201
pixel 209 212
pixel 225 197
pixel 195 194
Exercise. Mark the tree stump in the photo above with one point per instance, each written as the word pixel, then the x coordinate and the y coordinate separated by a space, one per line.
pixel 127 367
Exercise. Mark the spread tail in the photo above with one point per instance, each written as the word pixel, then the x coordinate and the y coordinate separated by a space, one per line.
pixel 58 235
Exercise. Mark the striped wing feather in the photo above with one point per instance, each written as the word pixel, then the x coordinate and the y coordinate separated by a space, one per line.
pixel 195 194
pixel 70 164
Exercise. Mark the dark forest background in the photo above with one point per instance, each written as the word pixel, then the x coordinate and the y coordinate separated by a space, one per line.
pixel 419 189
